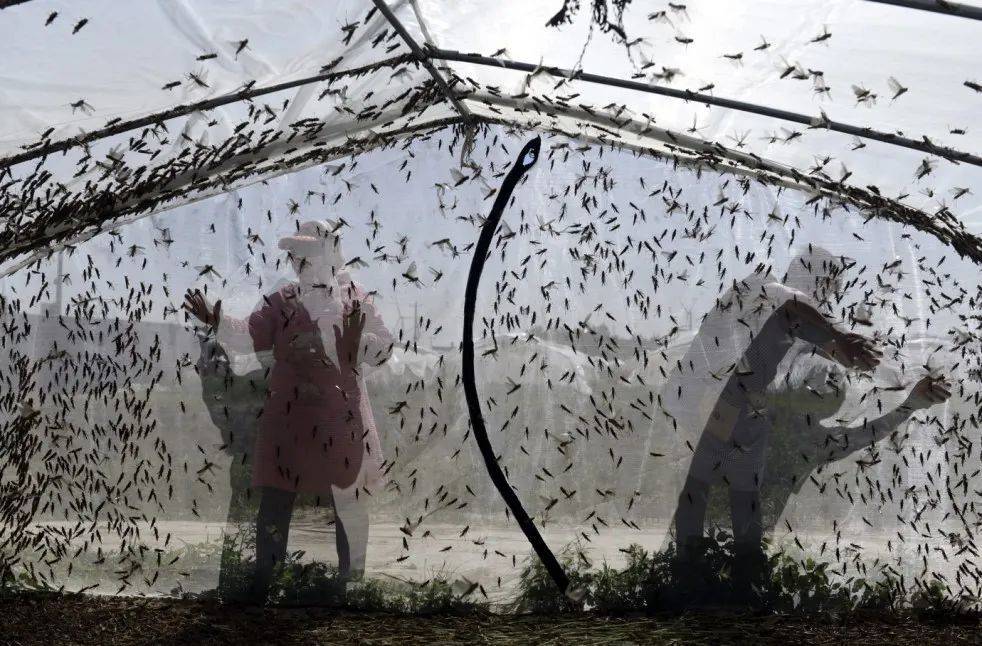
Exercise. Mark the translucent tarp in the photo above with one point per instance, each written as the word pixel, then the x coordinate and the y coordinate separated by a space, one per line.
pixel 857 46
pixel 571 399
pixel 932 55
pixel 129 440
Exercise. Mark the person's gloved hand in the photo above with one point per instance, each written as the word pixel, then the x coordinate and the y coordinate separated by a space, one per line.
pixel 347 338
pixel 196 304
pixel 855 351
pixel 928 392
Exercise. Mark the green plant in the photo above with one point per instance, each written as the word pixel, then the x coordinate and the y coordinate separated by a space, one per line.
pixel 537 592
pixel 803 585
pixel 716 573
pixel 634 587
pixel 440 596
pixel 26 580
pixel 296 583
pixel 935 598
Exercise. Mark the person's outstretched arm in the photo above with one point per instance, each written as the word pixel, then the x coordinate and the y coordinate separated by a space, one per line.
pixel 376 340
pixel 254 334
pixel 846 348
pixel 361 338
pixel 842 441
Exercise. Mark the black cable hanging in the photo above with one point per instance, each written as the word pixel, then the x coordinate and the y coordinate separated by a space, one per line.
pixel 525 160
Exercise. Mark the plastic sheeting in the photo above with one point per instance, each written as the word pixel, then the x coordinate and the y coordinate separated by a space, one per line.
pixel 120 61
pixel 590 302
pixel 867 44
pixel 179 154
pixel 932 55
pixel 120 427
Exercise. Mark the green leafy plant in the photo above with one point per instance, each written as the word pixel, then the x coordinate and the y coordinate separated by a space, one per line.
pixel 538 594
pixel 633 588
pixel 803 585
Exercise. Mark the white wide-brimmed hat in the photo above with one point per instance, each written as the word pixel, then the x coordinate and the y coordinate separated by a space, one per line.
pixel 311 234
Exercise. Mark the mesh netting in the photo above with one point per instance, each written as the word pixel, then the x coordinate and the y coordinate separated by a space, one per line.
pixel 725 342
pixel 627 301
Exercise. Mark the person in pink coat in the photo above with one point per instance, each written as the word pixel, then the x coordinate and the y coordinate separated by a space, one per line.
pixel 317 434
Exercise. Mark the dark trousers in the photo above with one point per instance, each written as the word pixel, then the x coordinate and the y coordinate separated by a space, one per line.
pixel 745 512
pixel 749 560
pixel 240 512
pixel 273 530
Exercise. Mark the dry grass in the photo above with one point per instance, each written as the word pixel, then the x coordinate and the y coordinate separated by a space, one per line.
pixel 109 621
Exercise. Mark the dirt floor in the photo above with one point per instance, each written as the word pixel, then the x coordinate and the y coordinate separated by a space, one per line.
pixel 110 621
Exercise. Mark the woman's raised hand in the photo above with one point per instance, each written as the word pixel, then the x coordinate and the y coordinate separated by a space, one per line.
pixel 196 304
pixel 347 338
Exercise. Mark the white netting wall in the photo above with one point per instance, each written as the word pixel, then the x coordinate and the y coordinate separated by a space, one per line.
pixel 130 446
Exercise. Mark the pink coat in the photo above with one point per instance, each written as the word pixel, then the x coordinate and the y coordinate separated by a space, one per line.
pixel 317 428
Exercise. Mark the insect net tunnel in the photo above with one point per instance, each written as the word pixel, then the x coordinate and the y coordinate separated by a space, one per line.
pixel 724 333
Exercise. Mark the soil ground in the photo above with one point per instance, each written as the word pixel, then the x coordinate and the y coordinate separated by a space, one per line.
pixel 110 621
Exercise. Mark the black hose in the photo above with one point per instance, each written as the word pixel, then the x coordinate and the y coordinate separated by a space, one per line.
pixel 526 159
